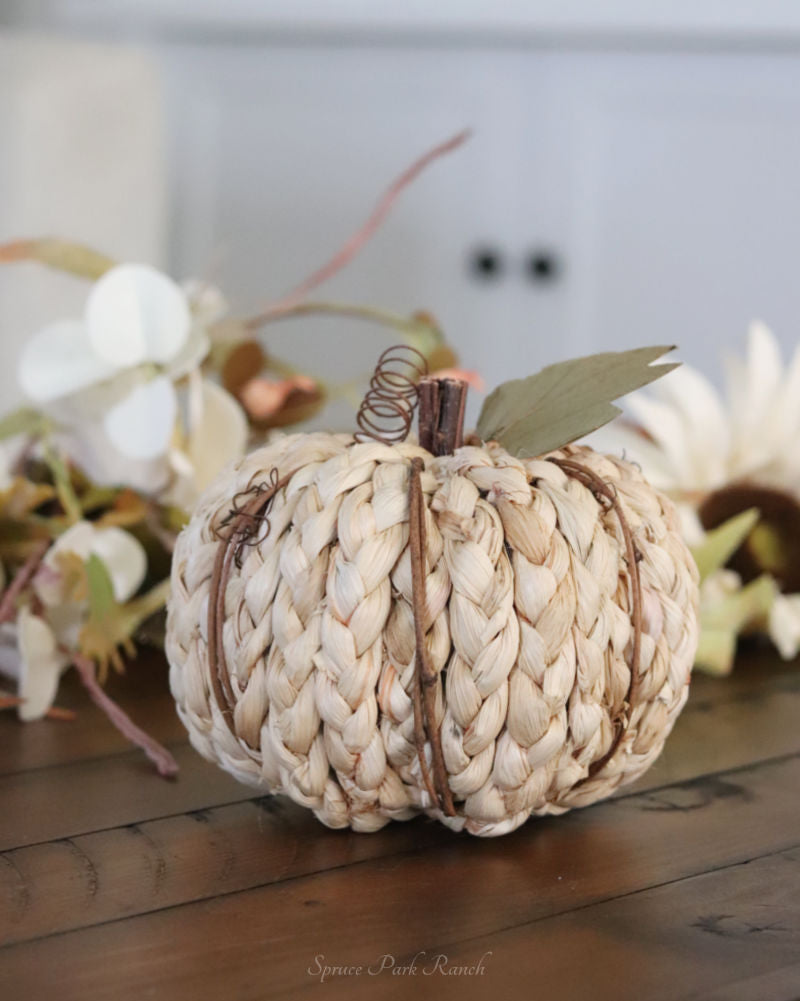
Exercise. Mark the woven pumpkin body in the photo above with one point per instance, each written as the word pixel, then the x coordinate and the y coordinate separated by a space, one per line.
pixel 527 622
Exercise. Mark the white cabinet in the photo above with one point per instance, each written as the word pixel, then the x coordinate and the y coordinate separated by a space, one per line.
pixel 662 187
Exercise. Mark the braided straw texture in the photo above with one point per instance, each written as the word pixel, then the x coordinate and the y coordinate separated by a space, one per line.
pixel 528 620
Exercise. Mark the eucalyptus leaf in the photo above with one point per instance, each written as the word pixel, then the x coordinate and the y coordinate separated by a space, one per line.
pixel 567 400
pixel 721 543
pixel 59 254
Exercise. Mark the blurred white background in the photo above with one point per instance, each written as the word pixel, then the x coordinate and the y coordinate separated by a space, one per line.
pixel 633 175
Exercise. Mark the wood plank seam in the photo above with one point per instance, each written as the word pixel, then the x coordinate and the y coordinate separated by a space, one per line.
pixel 445 844
pixel 123 752
pixel 617 798
pixel 589 904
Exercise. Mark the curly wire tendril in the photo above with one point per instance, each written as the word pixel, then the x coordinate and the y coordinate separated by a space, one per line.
pixel 244 526
pixel 387 411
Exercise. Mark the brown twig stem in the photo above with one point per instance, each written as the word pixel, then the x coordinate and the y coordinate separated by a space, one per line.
pixel 426 680
pixel 604 492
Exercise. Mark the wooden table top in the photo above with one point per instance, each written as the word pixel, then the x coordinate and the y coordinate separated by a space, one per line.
pixel 117 884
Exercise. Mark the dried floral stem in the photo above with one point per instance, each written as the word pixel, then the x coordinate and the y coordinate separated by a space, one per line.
pixel 349 249
pixel 60 713
pixel 603 492
pixel 147 604
pixel 369 314
pixel 157 753
pixel 20 581
pixel 63 486
pixel 426 676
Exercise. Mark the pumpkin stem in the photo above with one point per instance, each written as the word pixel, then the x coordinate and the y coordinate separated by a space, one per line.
pixel 441 414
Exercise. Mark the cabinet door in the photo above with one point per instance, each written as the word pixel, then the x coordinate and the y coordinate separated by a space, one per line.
pixel 684 198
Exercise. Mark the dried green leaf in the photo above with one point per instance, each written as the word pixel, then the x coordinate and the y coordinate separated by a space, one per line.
pixel 721 543
pixel 716 651
pixel 101 590
pixel 567 400
pixel 63 484
pixel 59 254
pixel 106 638
pixel 26 420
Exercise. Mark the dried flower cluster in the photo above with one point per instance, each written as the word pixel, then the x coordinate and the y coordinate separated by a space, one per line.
pixel 135 406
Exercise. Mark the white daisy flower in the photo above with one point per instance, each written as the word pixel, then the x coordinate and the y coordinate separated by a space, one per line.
pixel 718 456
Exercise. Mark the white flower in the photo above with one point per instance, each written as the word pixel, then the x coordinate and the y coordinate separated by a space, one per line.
pixel 717 456
pixel 690 440
pixel 45 640
pixel 109 378
pixel 123 557
pixel 784 625
pixel 135 319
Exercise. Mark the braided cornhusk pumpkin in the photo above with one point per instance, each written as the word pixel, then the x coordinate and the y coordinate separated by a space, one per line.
pixel 528 625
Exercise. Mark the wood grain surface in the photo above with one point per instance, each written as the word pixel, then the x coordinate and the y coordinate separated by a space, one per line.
pixel 116 884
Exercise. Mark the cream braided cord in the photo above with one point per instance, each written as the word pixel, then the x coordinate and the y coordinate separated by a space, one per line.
pixel 528 617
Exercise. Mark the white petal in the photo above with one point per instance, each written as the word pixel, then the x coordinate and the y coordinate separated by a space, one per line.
pixel 753 383
pixel 784 624
pixel 41 664
pixel 621 439
pixel 218 436
pixel 665 425
pixel 191 354
pixel 124 558
pixel 77 539
pixel 141 425
pixel 135 313
pixel 764 362
pixel 691 527
pixel 88 445
pixel 60 360
pixel 704 419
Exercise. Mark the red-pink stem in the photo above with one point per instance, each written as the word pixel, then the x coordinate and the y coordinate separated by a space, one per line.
pixel 165 764
pixel 20 581
pixel 349 250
